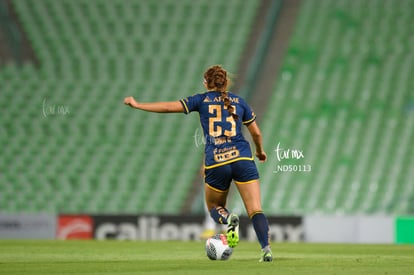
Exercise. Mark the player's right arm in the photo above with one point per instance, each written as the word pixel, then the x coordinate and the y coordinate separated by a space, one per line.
pixel 156 107
pixel 257 139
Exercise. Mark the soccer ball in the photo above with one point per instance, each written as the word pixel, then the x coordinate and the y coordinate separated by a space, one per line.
pixel 217 248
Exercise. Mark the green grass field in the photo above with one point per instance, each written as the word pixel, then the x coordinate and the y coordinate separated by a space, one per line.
pixel 134 257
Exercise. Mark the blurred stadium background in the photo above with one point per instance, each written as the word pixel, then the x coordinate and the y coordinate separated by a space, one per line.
pixel 332 79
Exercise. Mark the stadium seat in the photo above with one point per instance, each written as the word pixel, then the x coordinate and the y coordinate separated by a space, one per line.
pixel 102 157
pixel 341 98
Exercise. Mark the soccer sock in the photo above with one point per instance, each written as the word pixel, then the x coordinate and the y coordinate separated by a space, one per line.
pixel 219 214
pixel 261 226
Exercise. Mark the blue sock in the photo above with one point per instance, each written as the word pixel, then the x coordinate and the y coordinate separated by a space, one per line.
pixel 219 214
pixel 261 226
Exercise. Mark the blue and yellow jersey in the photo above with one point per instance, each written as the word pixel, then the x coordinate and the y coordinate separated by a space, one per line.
pixel 223 134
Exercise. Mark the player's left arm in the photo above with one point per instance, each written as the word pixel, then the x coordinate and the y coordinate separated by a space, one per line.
pixel 257 139
pixel 156 107
pixel 249 119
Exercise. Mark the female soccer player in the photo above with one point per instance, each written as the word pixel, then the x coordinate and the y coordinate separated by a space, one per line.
pixel 227 153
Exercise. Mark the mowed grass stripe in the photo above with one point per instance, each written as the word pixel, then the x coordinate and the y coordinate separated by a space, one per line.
pixel 171 257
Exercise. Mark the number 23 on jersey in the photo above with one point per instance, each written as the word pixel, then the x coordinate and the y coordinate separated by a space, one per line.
pixel 216 130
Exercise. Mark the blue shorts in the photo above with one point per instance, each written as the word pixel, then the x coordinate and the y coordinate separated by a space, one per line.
pixel 220 177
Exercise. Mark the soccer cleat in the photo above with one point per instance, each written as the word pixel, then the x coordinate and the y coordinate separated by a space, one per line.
pixel 232 230
pixel 266 255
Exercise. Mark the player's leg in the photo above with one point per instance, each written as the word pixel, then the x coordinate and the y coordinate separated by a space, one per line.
pixel 216 202
pixel 249 188
pixel 217 186
pixel 250 193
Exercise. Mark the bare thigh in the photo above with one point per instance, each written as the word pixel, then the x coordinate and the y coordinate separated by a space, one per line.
pixel 250 194
pixel 215 198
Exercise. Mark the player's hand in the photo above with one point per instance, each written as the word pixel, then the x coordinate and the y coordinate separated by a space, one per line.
pixel 261 156
pixel 130 101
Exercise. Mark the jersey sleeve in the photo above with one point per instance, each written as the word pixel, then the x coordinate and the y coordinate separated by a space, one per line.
pixel 248 115
pixel 191 103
